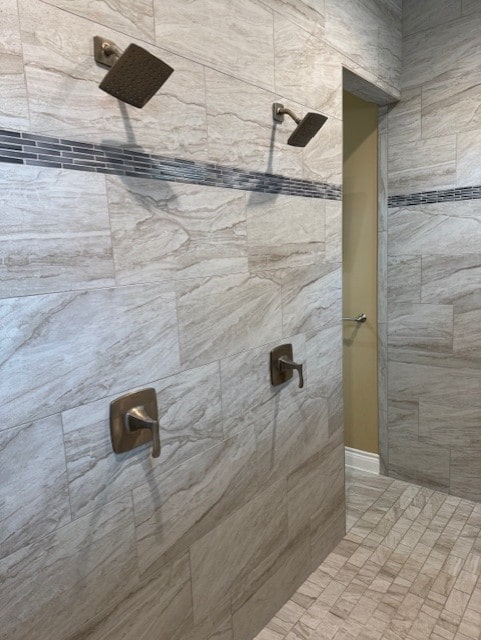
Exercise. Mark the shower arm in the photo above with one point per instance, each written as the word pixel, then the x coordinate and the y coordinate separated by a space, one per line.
pixel 280 110
pixel 287 111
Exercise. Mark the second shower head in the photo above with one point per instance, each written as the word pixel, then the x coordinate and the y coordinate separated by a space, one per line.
pixel 307 127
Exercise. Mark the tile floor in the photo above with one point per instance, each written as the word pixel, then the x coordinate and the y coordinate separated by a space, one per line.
pixel 408 568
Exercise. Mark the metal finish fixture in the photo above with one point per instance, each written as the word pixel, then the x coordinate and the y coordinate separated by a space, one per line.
pixel 283 366
pixel 362 317
pixel 134 420
pixel 307 127
pixel 135 75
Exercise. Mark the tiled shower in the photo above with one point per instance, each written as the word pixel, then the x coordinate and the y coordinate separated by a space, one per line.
pixel 173 247
pixel 434 245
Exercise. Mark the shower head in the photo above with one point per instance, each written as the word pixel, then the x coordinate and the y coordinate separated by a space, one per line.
pixel 135 75
pixel 306 128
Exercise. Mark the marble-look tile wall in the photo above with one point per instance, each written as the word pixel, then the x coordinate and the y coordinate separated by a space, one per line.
pixel 109 283
pixel 434 261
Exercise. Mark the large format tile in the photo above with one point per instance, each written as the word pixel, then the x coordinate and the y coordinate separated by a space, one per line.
pixel 308 14
pixel 403 420
pixel 467 337
pixel 333 231
pixel 54 586
pixel 286 437
pixel 422 165
pixel 185 503
pixel 352 28
pixel 134 18
pixel 281 578
pixel 228 563
pixel 223 315
pixel 33 483
pixel 421 326
pixel 242 131
pixel 287 231
pixel 315 490
pixel 382 190
pixel 453 98
pixel 470 6
pixel 307 70
pixel 164 230
pixel 453 46
pixel 247 388
pixel 311 297
pixel 66 349
pixel 466 471
pixel 11 42
pixel 382 359
pixel 450 386
pixel 404 118
pixel 382 258
pixel 172 123
pixel 420 15
pixel 452 279
pixel 160 608
pixel 419 462
pixel 13 98
pixel 328 519
pixel 468 172
pixel 389 20
pixel 54 232
pixel 439 228
pixel 190 422
pixel 450 426
pixel 324 360
pixel 232 37
pixel 322 157
pixel 403 278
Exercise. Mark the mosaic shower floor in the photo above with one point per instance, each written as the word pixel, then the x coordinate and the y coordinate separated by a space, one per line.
pixel 409 568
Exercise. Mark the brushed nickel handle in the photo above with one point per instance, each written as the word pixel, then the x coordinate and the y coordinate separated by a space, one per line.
pixel 362 317
pixel 287 363
pixel 137 419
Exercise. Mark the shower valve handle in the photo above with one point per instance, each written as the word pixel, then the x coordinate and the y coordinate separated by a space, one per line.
pixel 287 363
pixel 136 419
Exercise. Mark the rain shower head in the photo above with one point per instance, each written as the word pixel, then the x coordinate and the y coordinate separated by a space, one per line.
pixel 135 75
pixel 307 127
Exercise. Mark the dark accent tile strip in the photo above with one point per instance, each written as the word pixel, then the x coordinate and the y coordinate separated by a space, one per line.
pixel 45 151
pixel 432 197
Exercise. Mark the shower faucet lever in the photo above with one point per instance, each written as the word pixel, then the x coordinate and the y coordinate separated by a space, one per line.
pixel 287 363
pixel 134 421
pixel 283 366
pixel 137 419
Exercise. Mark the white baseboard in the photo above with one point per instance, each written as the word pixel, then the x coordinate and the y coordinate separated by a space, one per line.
pixel 362 460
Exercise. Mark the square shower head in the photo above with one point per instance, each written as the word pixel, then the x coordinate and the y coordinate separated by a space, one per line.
pixel 136 76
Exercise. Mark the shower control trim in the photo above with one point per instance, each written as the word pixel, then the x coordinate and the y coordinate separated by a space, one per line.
pixel 283 366
pixel 106 52
pixel 134 421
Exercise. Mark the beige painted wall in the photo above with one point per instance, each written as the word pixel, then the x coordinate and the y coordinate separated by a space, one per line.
pixel 360 272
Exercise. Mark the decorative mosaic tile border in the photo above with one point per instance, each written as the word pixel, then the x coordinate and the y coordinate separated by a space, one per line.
pixel 44 151
pixel 431 197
